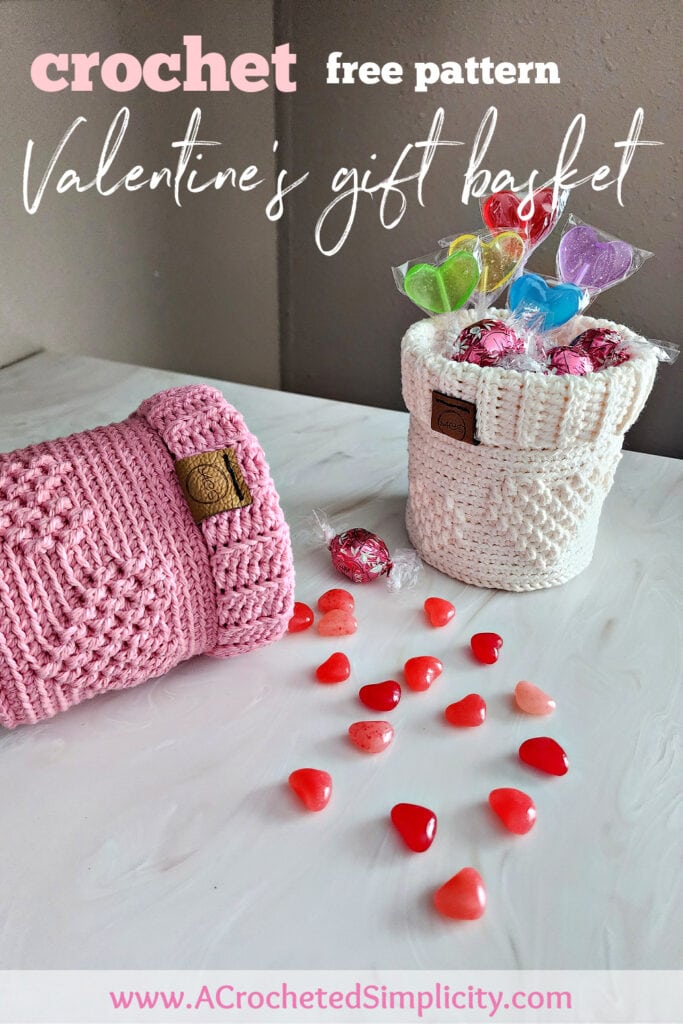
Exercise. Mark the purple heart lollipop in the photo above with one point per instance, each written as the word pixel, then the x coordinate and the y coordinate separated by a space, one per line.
pixel 584 260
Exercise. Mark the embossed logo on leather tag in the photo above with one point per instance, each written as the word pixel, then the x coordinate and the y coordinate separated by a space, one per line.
pixel 212 482
pixel 454 417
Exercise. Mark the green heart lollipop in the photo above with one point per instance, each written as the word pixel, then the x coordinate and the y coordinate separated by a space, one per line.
pixel 446 287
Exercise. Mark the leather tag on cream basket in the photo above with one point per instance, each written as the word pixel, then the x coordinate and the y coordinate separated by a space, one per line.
pixel 454 417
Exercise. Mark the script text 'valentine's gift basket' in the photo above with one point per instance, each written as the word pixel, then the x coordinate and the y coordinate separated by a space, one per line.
pixel 517 415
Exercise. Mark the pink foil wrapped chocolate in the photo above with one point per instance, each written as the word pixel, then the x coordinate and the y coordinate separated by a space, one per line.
pixel 604 346
pixel 486 342
pixel 570 360
pixel 362 556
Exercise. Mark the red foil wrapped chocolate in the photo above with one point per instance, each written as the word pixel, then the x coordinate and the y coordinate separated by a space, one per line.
pixel 360 555
pixel 570 360
pixel 604 346
pixel 485 342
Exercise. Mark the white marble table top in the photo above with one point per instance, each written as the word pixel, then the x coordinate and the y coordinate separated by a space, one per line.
pixel 153 828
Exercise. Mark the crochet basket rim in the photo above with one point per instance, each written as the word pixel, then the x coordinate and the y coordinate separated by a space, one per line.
pixel 528 410
pixel 449 369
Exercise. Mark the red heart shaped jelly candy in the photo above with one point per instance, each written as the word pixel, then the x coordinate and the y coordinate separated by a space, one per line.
pixel 380 696
pixel 312 786
pixel 485 647
pixel 336 599
pixel 336 669
pixel 463 896
pixel 515 809
pixel 416 826
pixel 501 210
pixel 302 618
pixel 439 611
pixel 371 737
pixel 546 754
pixel 421 672
pixel 468 712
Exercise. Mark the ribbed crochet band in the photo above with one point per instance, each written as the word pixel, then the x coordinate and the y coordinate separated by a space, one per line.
pixel 249 548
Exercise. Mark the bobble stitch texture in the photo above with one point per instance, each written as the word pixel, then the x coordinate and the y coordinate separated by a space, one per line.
pixel 520 510
pixel 105 579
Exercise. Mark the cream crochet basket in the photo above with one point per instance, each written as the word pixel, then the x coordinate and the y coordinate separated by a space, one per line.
pixel 519 510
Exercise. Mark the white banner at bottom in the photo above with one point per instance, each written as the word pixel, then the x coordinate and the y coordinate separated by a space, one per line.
pixel 363 996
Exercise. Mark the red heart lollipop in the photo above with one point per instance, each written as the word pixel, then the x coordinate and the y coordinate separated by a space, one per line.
pixel 501 210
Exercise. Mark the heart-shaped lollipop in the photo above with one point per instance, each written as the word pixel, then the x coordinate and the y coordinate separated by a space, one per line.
pixel 548 307
pixel 499 258
pixel 446 287
pixel 501 210
pixel 584 260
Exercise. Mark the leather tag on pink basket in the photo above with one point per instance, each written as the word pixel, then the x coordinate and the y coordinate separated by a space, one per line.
pixel 454 417
pixel 212 482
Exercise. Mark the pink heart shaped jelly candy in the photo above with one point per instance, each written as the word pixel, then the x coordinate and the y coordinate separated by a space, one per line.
pixel 532 700
pixel 462 897
pixel 337 622
pixel 371 737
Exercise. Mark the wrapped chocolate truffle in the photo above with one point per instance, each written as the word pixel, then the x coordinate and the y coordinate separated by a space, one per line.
pixel 570 360
pixel 486 342
pixel 604 346
pixel 362 556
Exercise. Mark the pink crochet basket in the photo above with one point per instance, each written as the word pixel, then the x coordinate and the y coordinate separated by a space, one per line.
pixel 127 549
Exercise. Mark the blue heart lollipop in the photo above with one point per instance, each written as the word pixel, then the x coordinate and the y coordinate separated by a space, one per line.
pixel 547 306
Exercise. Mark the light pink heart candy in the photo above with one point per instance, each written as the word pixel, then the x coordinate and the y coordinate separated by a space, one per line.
pixel 533 700
pixel 337 622
pixel 372 737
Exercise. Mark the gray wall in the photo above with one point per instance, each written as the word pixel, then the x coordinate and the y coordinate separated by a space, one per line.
pixel 132 276
pixel 344 318
pixel 215 289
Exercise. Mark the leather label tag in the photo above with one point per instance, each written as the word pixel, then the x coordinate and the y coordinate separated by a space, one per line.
pixel 212 482
pixel 454 417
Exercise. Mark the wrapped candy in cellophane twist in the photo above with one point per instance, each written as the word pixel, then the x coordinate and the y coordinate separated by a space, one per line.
pixel 363 557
